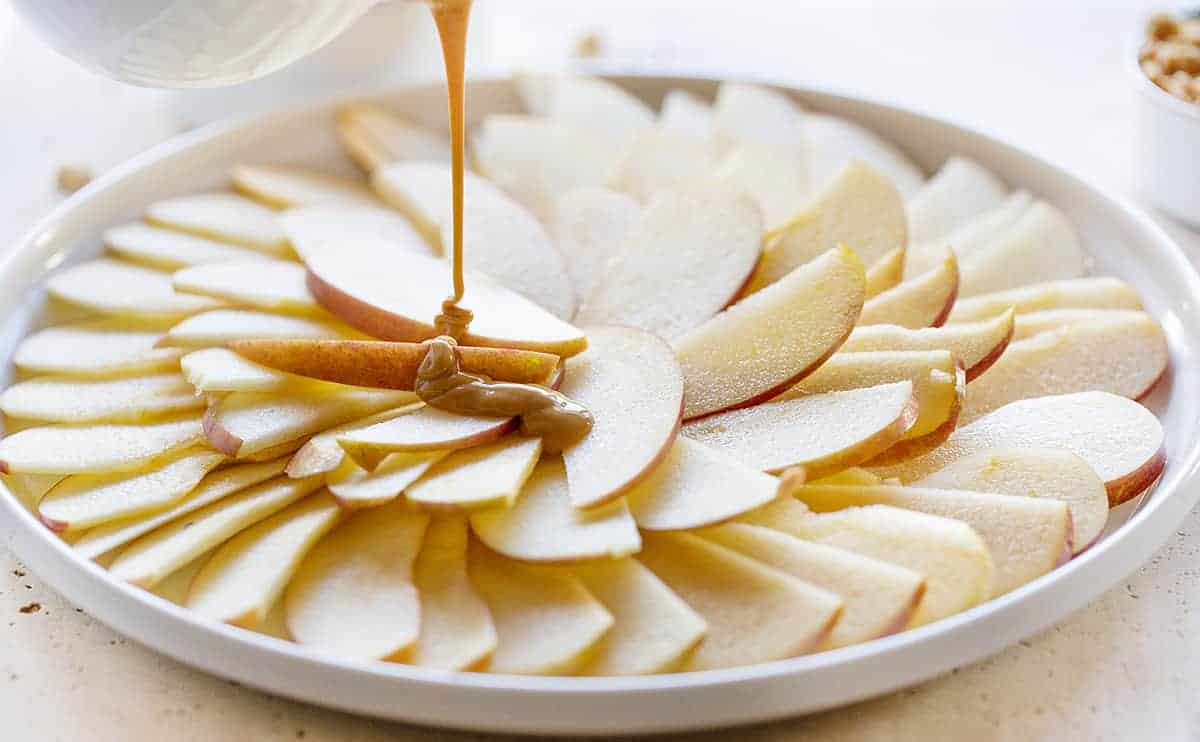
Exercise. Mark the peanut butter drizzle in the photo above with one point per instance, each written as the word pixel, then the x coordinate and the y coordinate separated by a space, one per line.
pixel 441 383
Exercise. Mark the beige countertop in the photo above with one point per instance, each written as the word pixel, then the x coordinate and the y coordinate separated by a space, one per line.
pixel 1050 79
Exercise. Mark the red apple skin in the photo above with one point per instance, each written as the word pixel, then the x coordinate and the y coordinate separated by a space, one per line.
pixel 993 355
pixel 218 437
pixel 1138 480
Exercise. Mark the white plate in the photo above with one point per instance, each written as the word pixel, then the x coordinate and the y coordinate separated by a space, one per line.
pixel 1122 240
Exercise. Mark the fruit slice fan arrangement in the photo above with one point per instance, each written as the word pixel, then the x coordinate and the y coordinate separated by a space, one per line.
pixel 833 399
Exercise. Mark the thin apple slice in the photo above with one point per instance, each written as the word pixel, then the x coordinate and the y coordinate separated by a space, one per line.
pixel 112 286
pixel 686 260
pixel 543 525
pixel 1042 245
pixel 317 229
pixel 390 365
pixel 225 326
pixel 269 285
pixel 545 619
pixel 590 225
pixel 243 423
pixel 1099 292
pixel 698 486
pixel 970 237
pixel 222 370
pixel 30 488
pixel 456 628
pixel 167 249
pixel 1120 439
pixel 754 613
pixel 656 160
pixel 286 187
pixel 878 598
pixel 832 141
pixel 226 217
pixel 87 500
pixel 853 475
pixel 1034 472
pixel 924 301
pixel 354 487
pixel 92 449
pixel 96 542
pixel 100 347
pixel 885 273
pixel 424 429
pixel 745 112
pixel 775 180
pixel 1034 323
pixel 152 557
pixel 653 629
pixel 353 595
pixel 631 383
pixel 64 399
pixel 960 191
pixel 479 477
pixel 686 115
pixel 976 344
pixel 322 453
pixel 244 578
pixel 766 342
pixel 822 433
pixel 1125 356
pixel 859 208
pixel 593 104
pixel 374 136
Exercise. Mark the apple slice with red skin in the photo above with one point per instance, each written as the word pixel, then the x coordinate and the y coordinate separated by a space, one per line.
pixel 977 344
pixel 924 301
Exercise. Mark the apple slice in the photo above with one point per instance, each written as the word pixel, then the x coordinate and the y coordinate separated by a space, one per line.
pixel 100 347
pixel 656 160
pixel 226 217
pixel 92 449
pixel 151 558
pixel 112 286
pixel 976 344
pixel 222 370
pixel 545 619
pixel 269 285
pixel 853 475
pixel 68 400
pixel 590 225
pixel 225 326
pixel 1120 439
pixel 543 526
pixel 424 429
pixel 353 595
pixel 1042 245
pixel 653 629
pixel 698 486
pixel 822 433
pixel 687 259
pixel 832 142
pixel 243 578
pixel 166 249
pixel 967 239
pixel 767 342
pixel 754 613
pixel 592 104
pixel 1034 472
pixel 30 488
pixel 1099 292
pixel 631 383
pixel 960 191
pixel 286 186
pixel 1034 323
pixel 745 112
pixel 316 229
pixel 96 542
pixel 924 301
pixel 456 628
pixel 322 453
pixel 769 175
pixel 686 115
pixel 374 136
pixel 479 477
pixel 878 598
pixel 354 487
pixel 885 273
pixel 86 500
pixel 859 208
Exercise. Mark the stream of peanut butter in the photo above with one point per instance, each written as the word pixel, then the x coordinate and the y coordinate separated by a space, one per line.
pixel 441 383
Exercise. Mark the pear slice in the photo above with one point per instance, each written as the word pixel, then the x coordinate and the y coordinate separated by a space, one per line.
pixel 878 598
pixel 167 249
pixel 456 628
pixel 754 613
pixel 545 619
pixel 1125 356
pixel 832 142
pixel 976 344
pixel 1042 245
pixel 374 136
pixel 243 578
pixel 924 301
pixel 631 383
pixel 961 190
pixel 219 484
pixel 424 429
pixel 112 286
pixel 686 260
pixel 222 370
pixel 64 399
pixel 860 208
pixel 316 229
pixel 92 449
pixel 543 526
pixel 967 239
pixel 479 477
pixel 354 487
pixel 353 595
pixel 698 486
pixel 885 273
pixel 1034 472
pixel 100 347
pixel 590 225
pixel 1120 439
pixel 592 104
pixel 686 115
pixel 775 180
pixel 286 187
pixel 322 453
pixel 653 629
pixel 152 557
pixel 766 342
pixel 225 326
pixel 656 160
pixel 269 285
pixel 745 112
pixel 822 433
pixel 1035 323
pixel 1099 292
pixel 243 423
pixel 226 217
pixel 86 500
